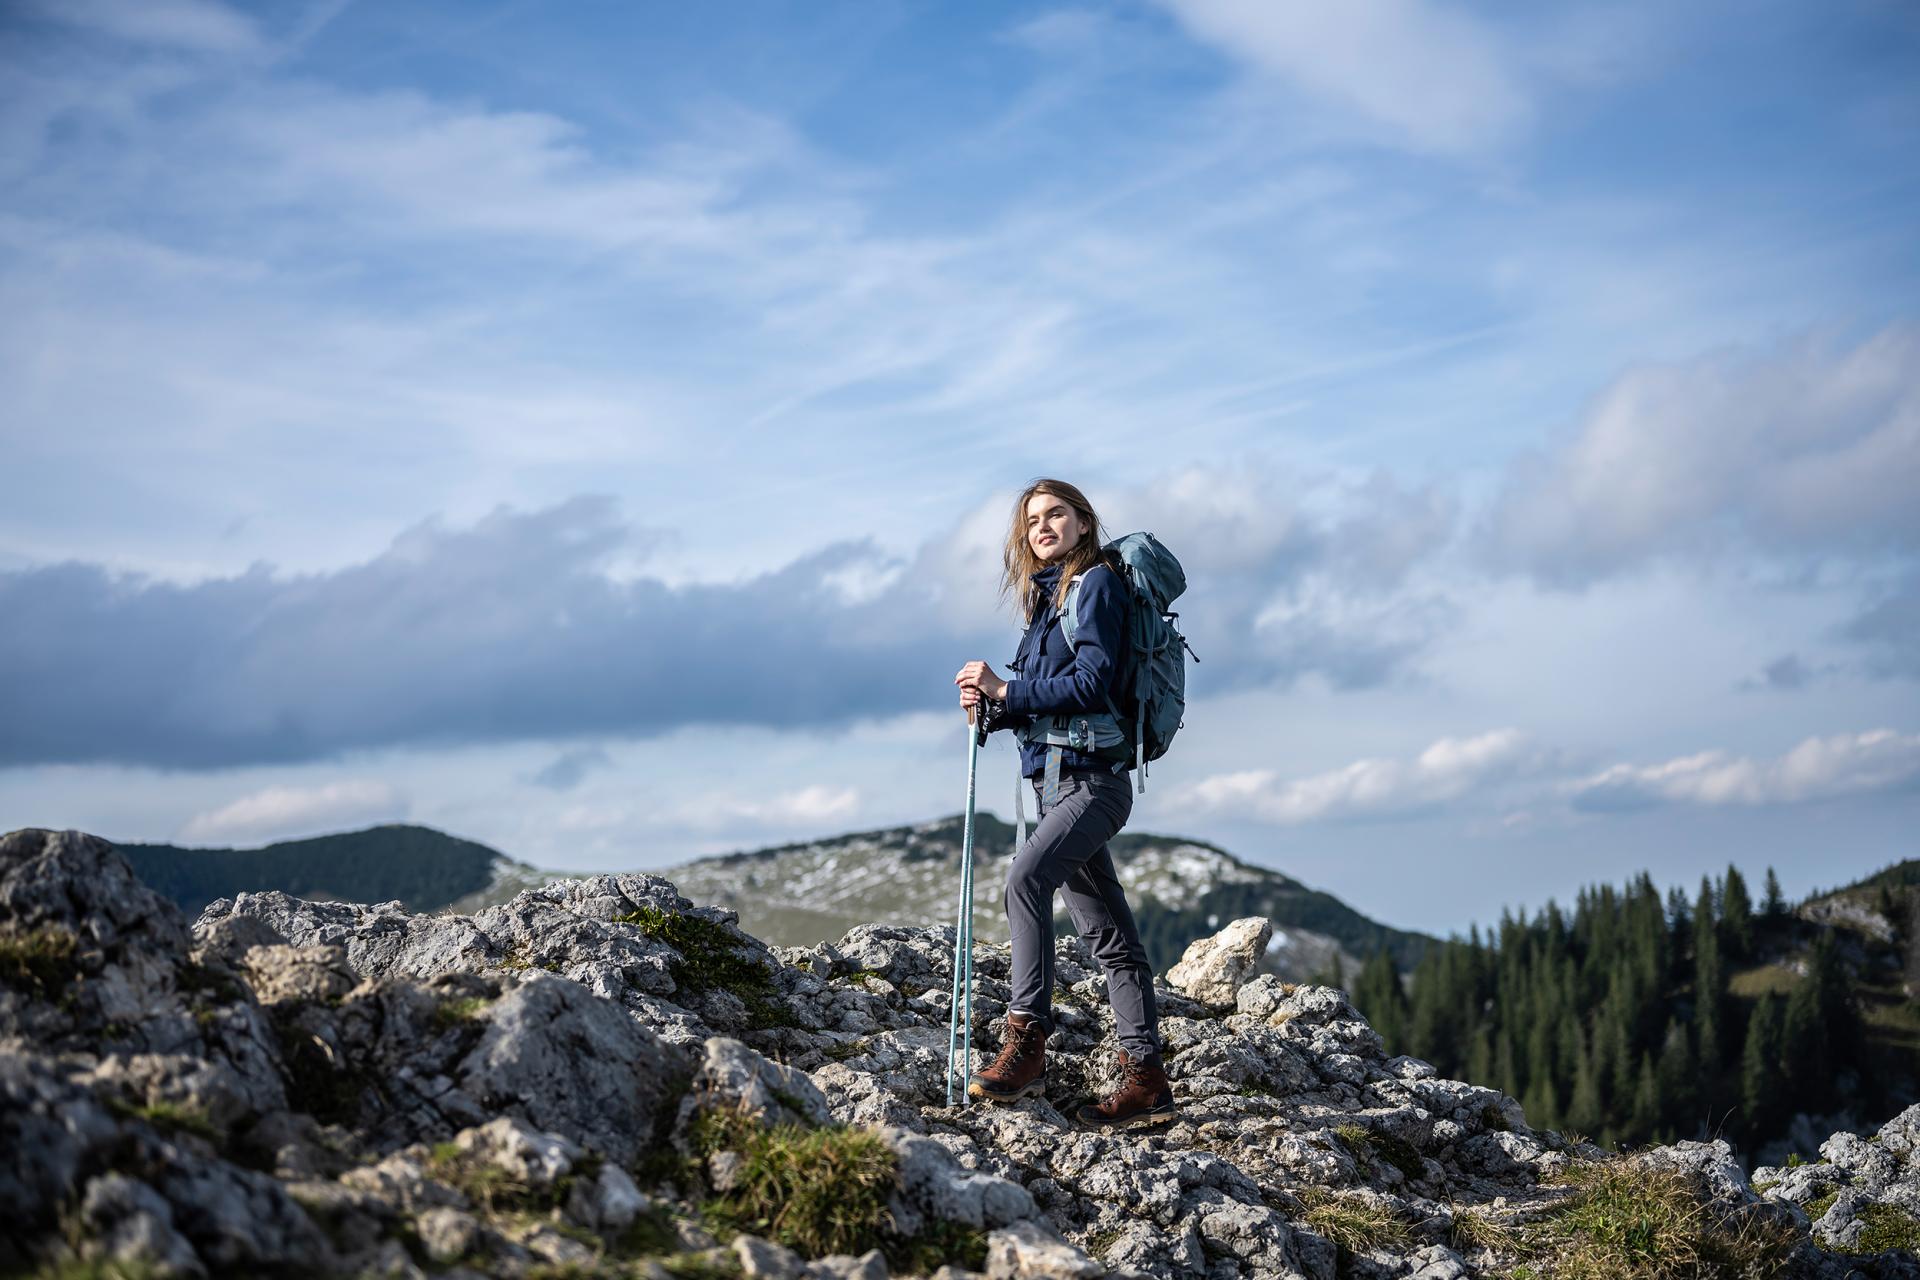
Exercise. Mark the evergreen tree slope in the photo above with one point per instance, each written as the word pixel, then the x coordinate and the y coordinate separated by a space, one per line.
pixel 1639 1018
pixel 424 868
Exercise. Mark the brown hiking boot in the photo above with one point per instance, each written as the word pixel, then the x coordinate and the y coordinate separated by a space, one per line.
pixel 1021 1068
pixel 1143 1098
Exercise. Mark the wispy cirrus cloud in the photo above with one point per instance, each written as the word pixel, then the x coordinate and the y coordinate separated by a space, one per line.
pixel 1429 74
pixel 1819 768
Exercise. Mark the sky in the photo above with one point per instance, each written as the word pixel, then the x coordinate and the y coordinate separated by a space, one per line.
pixel 591 429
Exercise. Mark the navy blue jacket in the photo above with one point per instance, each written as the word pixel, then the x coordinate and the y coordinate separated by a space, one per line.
pixel 1050 678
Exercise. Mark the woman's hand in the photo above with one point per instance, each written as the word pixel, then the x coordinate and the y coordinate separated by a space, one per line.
pixel 975 679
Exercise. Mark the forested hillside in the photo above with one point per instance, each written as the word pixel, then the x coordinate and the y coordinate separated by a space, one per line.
pixel 424 868
pixel 1637 1018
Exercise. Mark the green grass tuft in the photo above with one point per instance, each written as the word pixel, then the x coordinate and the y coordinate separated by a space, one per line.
pixel 710 960
pixel 707 1264
pixel 817 1191
pixel 1474 1229
pixel 1356 1138
pixel 103 1269
pixel 1625 1221
pixel 1817 1207
pixel 851 1049
pixel 170 1117
pixel 822 1190
pixel 39 962
pixel 498 1191
pixel 937 1244
pixel 1888 1228
pixel 1352 1223
pixel 454 1013
pixel 1099 1242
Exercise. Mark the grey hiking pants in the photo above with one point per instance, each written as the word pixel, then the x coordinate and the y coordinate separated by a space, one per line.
pixel 1068 851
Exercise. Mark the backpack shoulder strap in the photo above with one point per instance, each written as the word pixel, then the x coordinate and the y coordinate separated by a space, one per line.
pixel 1070 609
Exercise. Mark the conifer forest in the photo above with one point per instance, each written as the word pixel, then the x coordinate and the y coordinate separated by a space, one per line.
pixel 1638 1018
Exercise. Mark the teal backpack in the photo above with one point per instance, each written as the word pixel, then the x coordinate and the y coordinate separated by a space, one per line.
pixel 1155 674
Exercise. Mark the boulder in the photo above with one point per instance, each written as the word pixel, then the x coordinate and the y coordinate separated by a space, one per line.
pixel 1213 969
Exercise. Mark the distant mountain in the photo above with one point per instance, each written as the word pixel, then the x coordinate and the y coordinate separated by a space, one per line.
pixel 424 868
pixel 1180 889
pixel 812 891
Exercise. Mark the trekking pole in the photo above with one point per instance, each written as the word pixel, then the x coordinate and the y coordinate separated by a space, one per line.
pixel 963 931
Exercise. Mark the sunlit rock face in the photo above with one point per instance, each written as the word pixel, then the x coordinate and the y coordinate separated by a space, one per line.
pixel 600 1077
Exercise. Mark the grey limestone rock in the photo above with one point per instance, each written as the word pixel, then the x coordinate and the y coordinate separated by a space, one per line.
pixel 525 1154
pixel 111 947
pixel 934 1185
pixel 1032 1251
pixel 568 1062
pixel 735 1077
pixel 447 1234
pixel 280 974
pixel 871 1265
pixel 607 1202
pixel 380 940
pixel 766 1260
pixel 1213 969
pixel 277 1098
pixel 1901 1135
pixel 128 1222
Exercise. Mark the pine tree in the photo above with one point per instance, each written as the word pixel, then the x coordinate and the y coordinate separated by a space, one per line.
pixel 1676 1081
pixel 1378 994
pixel 1776 906
pixel 1760 1080
pixel 1542 1105
pixel 1584 1112
pixel 1644 1120
pixel 1913 949
pixel 1805 1064
pixel 1709 985
pixel 1506 1067
pixel 1736 917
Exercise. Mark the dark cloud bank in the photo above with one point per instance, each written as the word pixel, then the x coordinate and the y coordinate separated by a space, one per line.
pixel 512 630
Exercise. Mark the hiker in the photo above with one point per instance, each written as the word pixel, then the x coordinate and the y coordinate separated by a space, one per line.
pixel 1083 796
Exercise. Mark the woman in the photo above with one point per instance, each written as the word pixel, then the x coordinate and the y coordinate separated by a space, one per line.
pixel 1084 797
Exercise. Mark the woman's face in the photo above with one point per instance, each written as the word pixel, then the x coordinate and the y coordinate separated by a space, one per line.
pixel 1053 527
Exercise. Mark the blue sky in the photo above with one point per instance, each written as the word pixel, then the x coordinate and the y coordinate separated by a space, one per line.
pixel 589 429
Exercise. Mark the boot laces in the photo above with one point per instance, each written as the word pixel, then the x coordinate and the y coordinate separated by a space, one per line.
pixel 1019 1046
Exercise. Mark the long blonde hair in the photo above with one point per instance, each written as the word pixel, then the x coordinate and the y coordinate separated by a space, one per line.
pixel 1021 564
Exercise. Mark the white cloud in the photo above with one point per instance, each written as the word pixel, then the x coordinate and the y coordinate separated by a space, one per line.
pixel 179 24
pixel 1376 787
pixel 1817 769
pixel 807 808
pixel 1803 449
pixel 1432 76
pixel 283 812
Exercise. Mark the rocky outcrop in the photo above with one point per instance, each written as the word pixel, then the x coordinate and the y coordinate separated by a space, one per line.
pixel 601 1077
pixel 1862 1195
pixel 1213 969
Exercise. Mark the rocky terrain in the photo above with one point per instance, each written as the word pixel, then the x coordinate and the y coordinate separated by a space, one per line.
pixel 602 1078
pixel 1180 889
pixel 801 893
